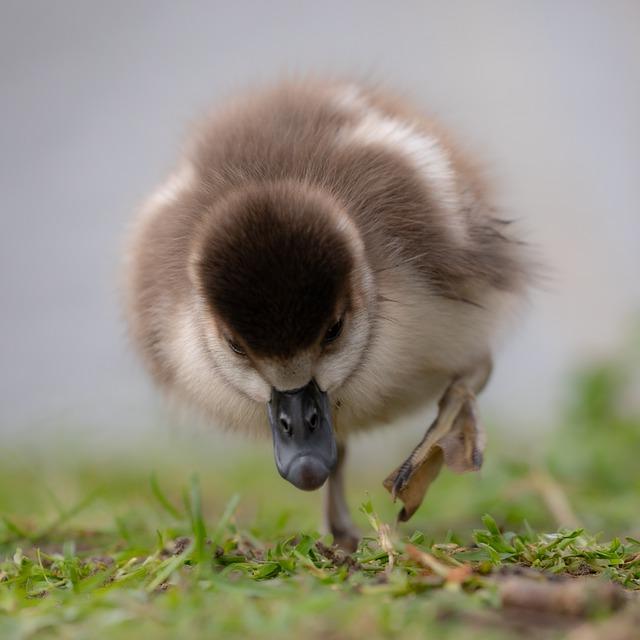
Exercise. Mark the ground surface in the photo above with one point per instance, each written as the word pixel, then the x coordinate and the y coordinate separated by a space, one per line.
pixel 190 544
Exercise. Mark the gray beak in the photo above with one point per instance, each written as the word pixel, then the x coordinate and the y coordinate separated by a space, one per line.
pixel 303 441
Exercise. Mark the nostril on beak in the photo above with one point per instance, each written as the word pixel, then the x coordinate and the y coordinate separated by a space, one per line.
pixel 285 423
pixel 312 419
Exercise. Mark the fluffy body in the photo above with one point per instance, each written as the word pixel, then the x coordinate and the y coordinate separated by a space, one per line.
pixel 434 276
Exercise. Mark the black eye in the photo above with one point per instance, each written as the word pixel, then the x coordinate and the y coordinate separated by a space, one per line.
pixel 236 347
pixel 333 332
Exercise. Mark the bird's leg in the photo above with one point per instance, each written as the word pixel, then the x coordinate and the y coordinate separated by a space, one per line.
pixel 338 518
pixel 454 438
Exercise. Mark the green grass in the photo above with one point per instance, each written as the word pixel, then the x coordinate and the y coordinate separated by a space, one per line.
pixel 190 543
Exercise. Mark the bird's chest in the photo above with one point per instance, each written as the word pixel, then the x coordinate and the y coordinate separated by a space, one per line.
pixel 383 400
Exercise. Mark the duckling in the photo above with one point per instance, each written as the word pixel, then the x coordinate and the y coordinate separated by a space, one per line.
pixel 323 260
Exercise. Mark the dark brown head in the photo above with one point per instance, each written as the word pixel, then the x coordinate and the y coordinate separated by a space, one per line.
pixel 276 271
pixel 286 295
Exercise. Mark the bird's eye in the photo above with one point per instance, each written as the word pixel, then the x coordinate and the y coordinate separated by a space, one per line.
pixel 333 332
pixel 234 346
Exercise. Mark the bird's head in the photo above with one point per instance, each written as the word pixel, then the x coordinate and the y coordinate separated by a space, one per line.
pixel 287 302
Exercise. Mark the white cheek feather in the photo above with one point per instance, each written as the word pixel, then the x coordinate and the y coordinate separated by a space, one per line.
pixel 231 394
pixel 334 367
pixel 424 151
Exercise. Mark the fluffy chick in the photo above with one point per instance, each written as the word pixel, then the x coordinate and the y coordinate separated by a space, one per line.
pixel 324 260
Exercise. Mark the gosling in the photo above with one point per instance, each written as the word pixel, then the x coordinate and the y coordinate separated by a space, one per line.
pixel 323 260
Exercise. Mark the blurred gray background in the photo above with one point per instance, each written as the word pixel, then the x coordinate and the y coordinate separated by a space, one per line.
pixel 96 97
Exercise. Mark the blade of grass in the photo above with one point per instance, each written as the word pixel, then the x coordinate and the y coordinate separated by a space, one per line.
pixel 228 512
pixel 15 529
pixel 168 567
pixel 162 498
pixel 65 516
pixel 193 504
